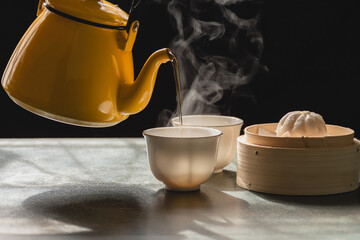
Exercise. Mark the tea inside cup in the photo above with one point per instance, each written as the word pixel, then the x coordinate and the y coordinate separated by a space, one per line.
pixel 182 157
pixel 230 126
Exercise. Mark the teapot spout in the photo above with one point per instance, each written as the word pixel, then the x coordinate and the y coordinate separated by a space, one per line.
pixel 133 98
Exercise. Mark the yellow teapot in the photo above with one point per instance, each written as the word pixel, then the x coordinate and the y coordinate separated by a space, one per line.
pixel 75 65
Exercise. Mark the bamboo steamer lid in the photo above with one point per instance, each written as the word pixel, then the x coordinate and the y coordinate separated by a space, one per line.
pixel 264 134
pixel 298 166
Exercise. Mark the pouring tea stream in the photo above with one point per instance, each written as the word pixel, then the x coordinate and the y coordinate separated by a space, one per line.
pixel 74 64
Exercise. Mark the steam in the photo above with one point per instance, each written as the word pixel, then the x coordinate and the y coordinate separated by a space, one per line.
pixel 217 51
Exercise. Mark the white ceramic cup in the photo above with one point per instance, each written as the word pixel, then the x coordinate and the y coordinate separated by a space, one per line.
pixel 182 158
pixel 230 126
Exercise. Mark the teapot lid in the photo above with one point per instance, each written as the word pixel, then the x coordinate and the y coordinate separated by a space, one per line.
pixel 100 13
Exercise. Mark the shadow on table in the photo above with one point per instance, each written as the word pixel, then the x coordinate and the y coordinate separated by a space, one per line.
pixel 224 181
pixel 134 210
pixel 97 207
pixel 343 199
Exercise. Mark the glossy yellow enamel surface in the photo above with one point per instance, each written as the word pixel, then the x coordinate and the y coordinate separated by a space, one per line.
pixel 134 97
pixel 97 11
pixel 79 74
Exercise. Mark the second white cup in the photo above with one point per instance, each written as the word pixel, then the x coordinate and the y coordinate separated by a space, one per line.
pixel 230 126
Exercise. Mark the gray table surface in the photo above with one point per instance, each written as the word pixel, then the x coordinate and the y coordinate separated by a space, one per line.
pixel 103 189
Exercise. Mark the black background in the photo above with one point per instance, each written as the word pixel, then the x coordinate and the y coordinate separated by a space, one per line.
pixel 310 51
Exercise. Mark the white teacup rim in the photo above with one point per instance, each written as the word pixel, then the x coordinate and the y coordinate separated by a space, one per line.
pixel 155 132
pixel 235 120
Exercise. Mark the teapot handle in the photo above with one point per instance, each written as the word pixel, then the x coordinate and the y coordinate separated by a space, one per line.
pixel 40 7
pixel 133 6
pixel 128 25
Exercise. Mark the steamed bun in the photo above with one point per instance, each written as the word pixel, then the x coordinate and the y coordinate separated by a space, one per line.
pixel 301 123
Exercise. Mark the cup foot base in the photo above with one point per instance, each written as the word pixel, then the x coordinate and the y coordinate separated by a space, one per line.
pixel 218 170
pixel 182 189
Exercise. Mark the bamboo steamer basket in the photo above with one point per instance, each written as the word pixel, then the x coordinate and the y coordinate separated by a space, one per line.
pixel 298 165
